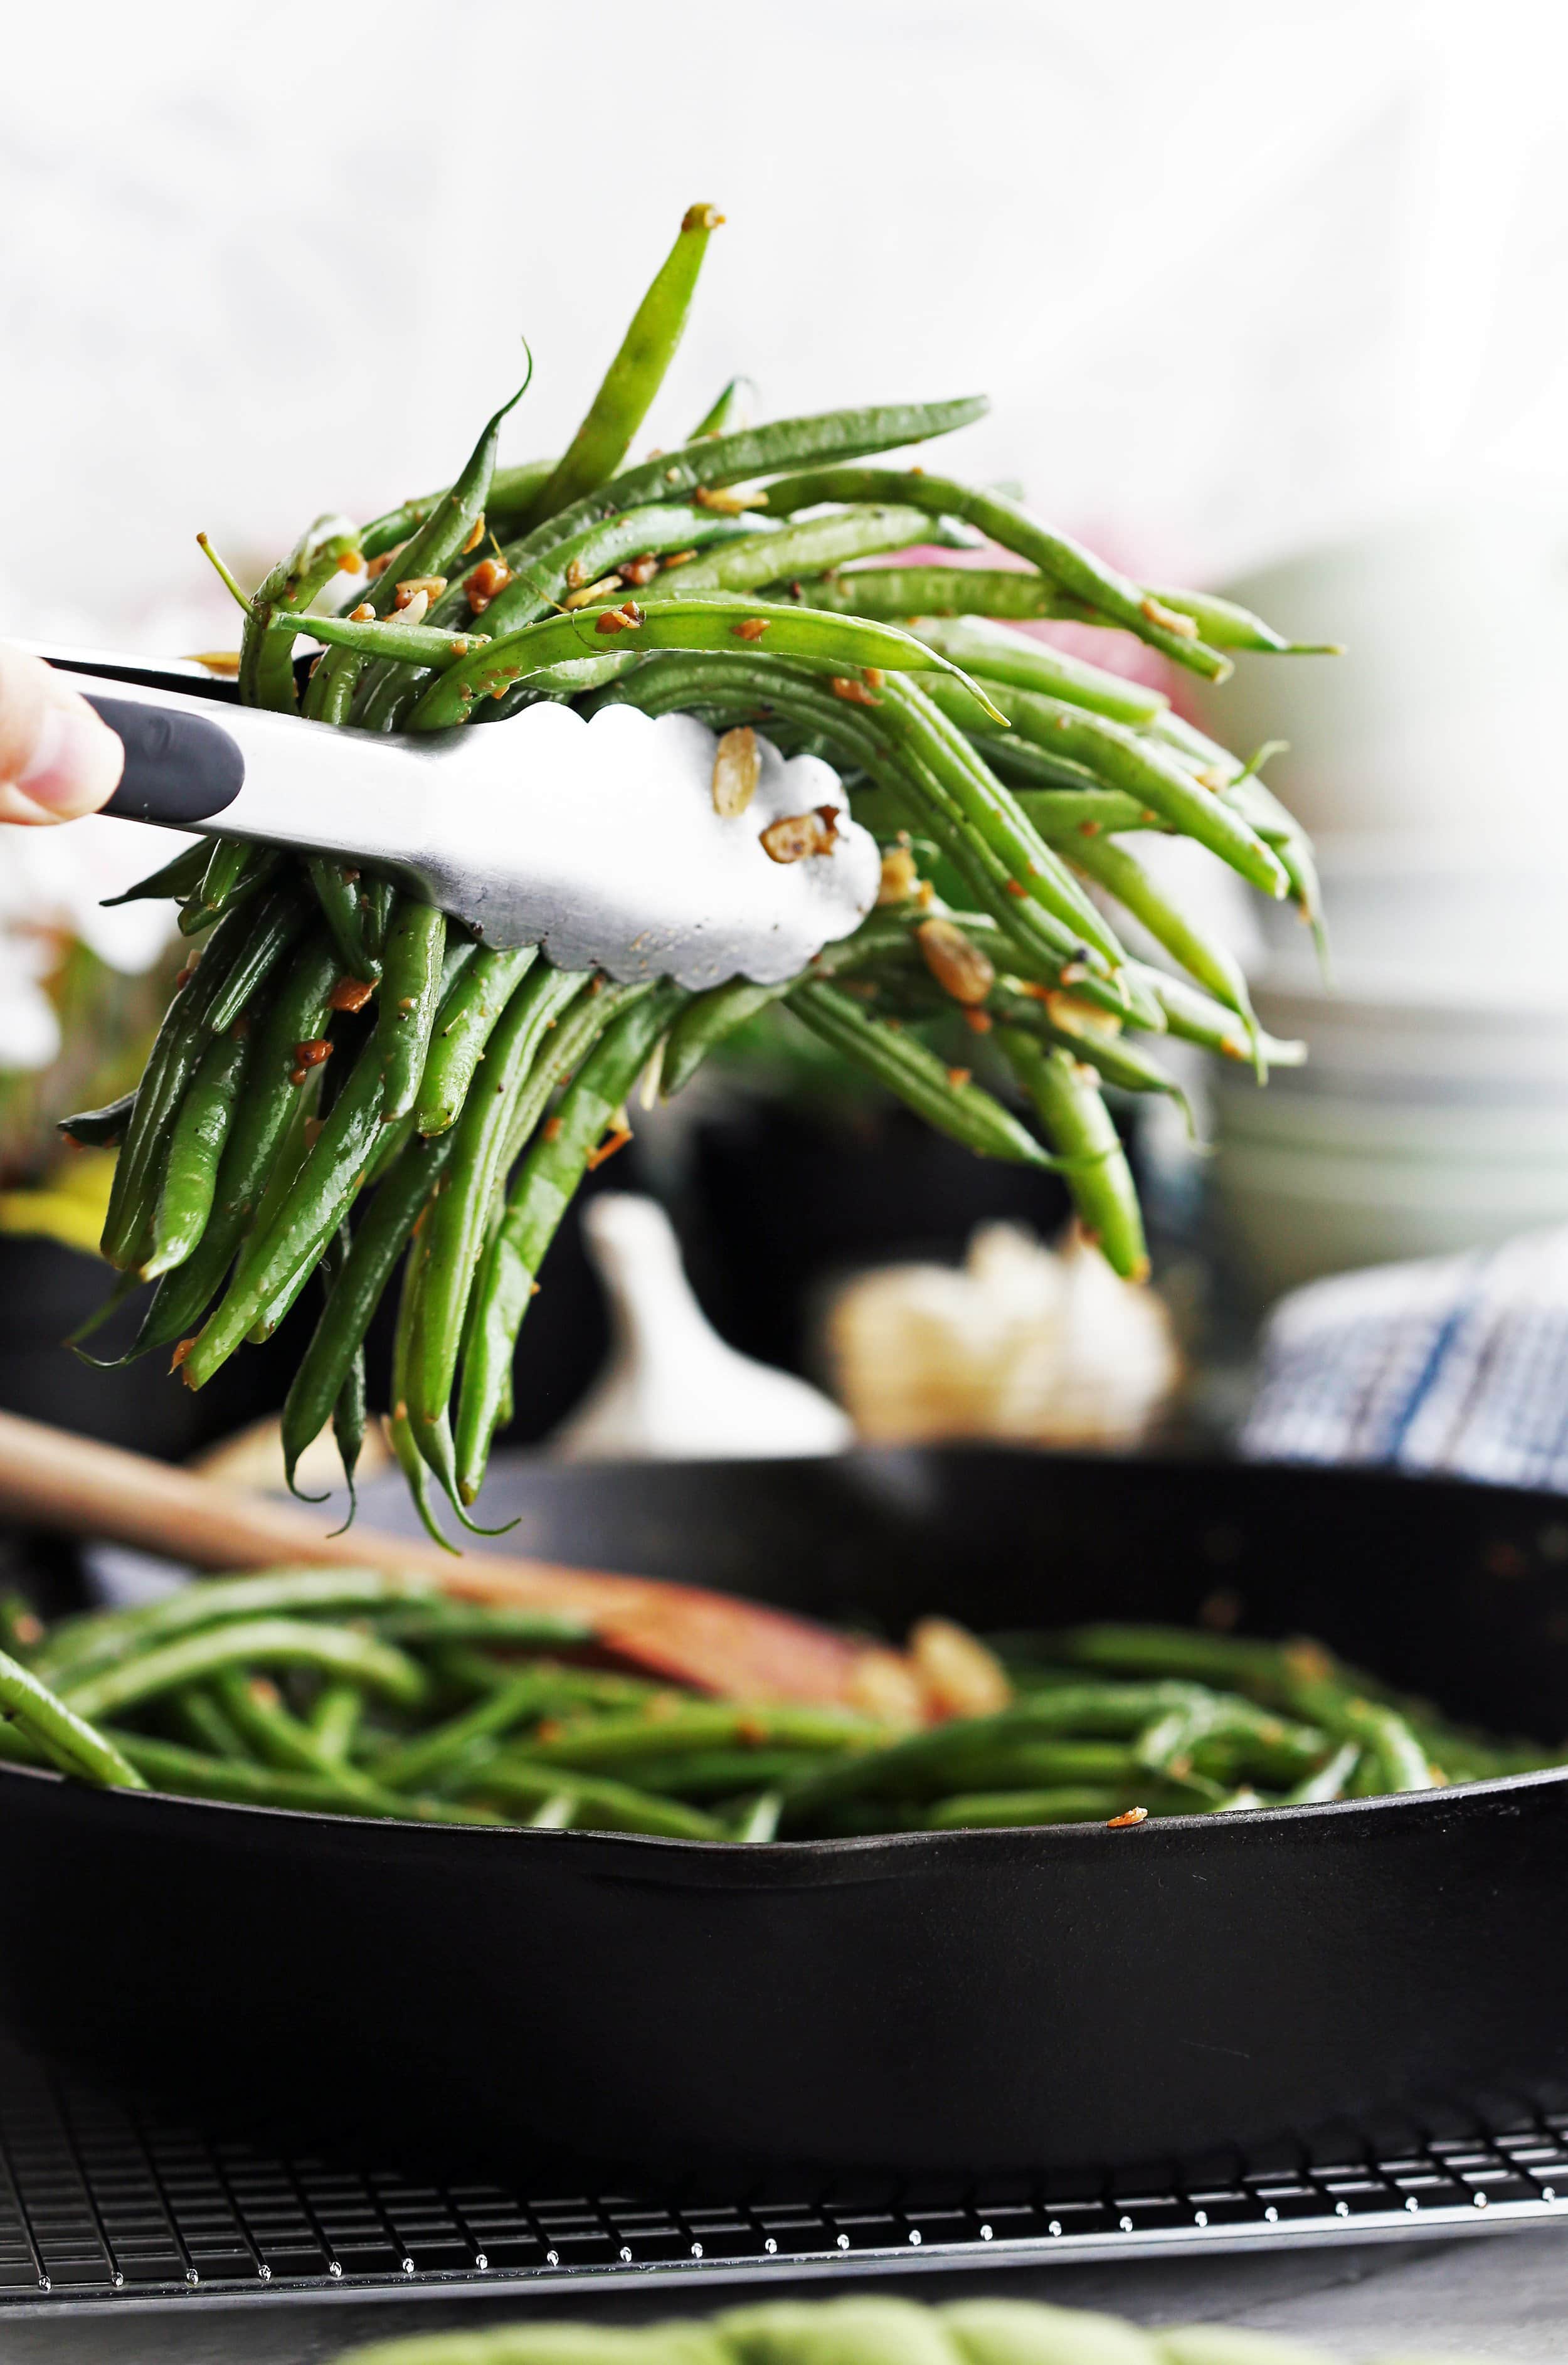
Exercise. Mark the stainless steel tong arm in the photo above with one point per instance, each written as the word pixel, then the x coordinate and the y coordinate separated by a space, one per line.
pixel 596 838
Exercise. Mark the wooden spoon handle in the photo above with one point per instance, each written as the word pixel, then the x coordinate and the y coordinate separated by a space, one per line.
pixel 50 1478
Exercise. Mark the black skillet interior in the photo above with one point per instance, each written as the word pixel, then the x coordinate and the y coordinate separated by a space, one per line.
pixel 1454 1591
pixel 1003 2001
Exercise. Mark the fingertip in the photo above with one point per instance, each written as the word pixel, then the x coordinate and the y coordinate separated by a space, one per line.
pixel 73 767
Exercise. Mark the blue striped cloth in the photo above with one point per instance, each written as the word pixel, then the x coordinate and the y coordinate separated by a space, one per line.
pixel 1457 1363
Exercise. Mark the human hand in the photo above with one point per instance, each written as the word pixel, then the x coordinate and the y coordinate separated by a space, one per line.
pixel 57 760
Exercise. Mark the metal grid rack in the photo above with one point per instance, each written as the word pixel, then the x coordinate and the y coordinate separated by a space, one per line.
pixel 100 2206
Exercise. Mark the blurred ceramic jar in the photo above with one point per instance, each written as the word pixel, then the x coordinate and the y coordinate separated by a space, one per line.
pixel 1433 1114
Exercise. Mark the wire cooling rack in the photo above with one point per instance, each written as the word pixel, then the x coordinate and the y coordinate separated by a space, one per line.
pixel 104 2206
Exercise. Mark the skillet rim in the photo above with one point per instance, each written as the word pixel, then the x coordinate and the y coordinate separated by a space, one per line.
pixel 1257 1826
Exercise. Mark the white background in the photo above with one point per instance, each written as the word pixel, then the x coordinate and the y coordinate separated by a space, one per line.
pixel 1236 275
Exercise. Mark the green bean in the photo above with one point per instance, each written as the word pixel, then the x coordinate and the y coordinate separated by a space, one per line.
pixel 327 547
pixel 64 1732
pixel 442 1619
pixel 1089 1036
pixel 255 1146
pixel 670 1728
pixel 1232 1662
pixel 538 1200
pixel 481 1671
pixel 945 1097
pixel 1213 964
pixel 98 1128
pixel 1393 1757
pixel 981 1810
pixel 282 1252
pixel 713 461
pixel 1226 626
pixel 181 1044
pixel 1062 813
pixel 196 1145
pixel 1114 598
pixel 456 1229
pixel 760 1820
pixel 385 637
pixel 634 377
pixel 724 1773
pixel 254 1707
pixel 1125 759
pixel 268 1642
pixel 204 1724
pixel 707 1019
pixel 380 896
pixel 379 1241
pixel 931 767
pixel 187 1774
pixel 1238 1724
pixel 728 413
pixel 412 1765
pixel 791 551
pixel 436 542
pixel 336 1718
pixel 465 1024
pixel 337 893
pixel 841 644
pixel 349 1411
pixel 273 933
pixel 512 493
pixel 1328 1781
pixel 80 1646
pixel 1065 1098
pixel 558 1814
pixel 603 1805
pixel 997 654
pixel 179 878
pixel 1107 1711
pixel 227 864
pixel 410 992
pixel 540 587
pixel 1197 1019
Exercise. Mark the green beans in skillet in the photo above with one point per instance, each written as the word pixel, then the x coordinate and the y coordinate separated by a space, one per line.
pixel 323 1092
pixel 347 1691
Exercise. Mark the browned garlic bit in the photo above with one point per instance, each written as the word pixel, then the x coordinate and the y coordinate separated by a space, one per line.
pixel 585 598
pixel 883 1684
pixel 728 504
pixel 736 769
pixel 899 877
pixel 798 834
pixel 857 693
pixel 491 574
pixel 957 1673
pixel 959 967
pixel 417 588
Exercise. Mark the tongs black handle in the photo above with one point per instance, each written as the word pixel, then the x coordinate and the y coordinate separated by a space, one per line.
pixel 179 768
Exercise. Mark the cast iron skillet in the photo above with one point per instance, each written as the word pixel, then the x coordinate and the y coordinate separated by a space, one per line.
pixel 986 2001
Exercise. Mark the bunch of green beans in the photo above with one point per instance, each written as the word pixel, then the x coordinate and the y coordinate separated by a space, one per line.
pixel 344 1085
pixel 866 2329
pixel 351 1692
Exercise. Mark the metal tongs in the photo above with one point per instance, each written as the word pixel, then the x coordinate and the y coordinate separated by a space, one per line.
pixel 598 839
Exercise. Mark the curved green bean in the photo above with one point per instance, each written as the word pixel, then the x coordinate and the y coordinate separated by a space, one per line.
pixel 263 1642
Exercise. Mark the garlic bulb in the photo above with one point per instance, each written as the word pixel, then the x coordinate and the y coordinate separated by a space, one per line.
pixel 1022 1342
pixel 672 1389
